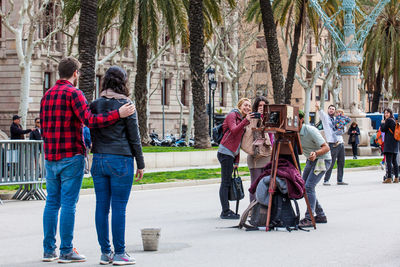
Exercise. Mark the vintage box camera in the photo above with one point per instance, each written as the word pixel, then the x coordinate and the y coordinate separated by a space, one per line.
pixel 283 117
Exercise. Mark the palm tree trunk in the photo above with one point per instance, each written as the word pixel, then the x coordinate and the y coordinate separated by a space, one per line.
pixel 293 57
pixel 274 57
pixel 140 84
pixel 377 91
pixel 196 30
pixel 87 46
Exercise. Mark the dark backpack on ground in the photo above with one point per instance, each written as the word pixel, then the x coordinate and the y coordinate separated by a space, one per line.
pixel 282 214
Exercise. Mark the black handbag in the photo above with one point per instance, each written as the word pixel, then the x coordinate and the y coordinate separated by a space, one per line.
pixel 236 191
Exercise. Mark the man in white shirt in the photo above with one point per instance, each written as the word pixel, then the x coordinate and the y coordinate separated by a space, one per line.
pixel 337 150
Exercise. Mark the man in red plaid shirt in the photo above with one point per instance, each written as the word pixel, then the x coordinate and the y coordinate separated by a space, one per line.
pixel 63 111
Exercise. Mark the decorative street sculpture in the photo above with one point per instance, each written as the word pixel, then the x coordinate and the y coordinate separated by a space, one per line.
pixel 349 42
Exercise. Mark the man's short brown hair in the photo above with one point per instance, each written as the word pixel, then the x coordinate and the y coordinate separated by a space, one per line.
pixel 67 67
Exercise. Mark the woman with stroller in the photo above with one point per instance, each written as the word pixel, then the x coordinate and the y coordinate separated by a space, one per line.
pixel 229 151
pixel 353 133
pixel 256 144
pixel 114 148
pixel 391 147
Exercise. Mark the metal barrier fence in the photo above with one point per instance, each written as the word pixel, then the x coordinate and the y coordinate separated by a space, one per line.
pixel 22 163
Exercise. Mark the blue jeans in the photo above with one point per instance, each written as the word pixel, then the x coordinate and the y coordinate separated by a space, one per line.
pixel 312 180
pixel 112 178
pixel 337 153
pixel 63 183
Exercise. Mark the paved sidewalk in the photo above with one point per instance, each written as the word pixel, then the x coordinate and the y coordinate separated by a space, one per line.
pixel 361 231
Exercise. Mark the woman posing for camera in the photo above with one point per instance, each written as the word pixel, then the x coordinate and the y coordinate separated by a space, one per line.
pixel 391 147
pixel 229 149
pixel 256 144
pixel 353 133
pixel 114 148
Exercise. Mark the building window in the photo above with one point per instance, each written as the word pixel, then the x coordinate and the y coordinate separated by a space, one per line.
pixel 309 69
pixel 261 43
pixel 46 82
pixel 185 93
pixel 1 24
pixel 222 95
pixel 165 89
pixel 49 20
pixel 309 46
pixel 327 96
pixel 318 92
pixel 98 87
pixel 261 66
pixel 184 50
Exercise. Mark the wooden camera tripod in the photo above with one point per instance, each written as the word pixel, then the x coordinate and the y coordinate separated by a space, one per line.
pixel 283 145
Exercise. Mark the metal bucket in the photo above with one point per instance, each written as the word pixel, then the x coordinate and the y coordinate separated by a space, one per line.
pixel 150 238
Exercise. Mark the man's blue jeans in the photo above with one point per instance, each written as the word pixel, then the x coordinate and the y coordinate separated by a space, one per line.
pixel 63 183
pixel 112 178
pixel 338 154
pixel 312 180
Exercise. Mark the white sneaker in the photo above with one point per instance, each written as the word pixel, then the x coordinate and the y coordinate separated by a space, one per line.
pixel 123 259
pixel 327 183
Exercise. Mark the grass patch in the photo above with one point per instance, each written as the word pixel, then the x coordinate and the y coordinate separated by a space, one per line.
pixel 201 174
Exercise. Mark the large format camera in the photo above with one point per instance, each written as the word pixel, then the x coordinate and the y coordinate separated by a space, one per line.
pixel 281 118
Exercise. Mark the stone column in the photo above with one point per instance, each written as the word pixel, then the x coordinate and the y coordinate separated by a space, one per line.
pixel 349 65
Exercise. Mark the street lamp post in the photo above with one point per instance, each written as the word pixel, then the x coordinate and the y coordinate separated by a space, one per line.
pixel 211 84
pixel 369 101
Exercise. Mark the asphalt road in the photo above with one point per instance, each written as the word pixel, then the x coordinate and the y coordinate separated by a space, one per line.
pixel 362 230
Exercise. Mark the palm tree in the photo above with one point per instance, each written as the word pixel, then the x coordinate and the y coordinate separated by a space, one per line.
pixel 382 52
pixel 201 13
pixel 284 10
pixel 262 9
pixel 149 11
pixel 87 46
pixel 196 37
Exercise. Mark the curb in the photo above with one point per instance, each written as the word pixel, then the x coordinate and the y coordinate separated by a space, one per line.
pixel 166 185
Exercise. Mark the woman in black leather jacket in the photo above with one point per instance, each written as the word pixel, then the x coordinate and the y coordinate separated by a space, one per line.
pixel 114 148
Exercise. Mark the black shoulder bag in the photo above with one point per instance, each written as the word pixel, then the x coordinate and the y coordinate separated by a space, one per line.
pixel 236 191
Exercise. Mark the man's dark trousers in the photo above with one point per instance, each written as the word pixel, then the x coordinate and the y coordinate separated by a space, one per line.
pixel 337 153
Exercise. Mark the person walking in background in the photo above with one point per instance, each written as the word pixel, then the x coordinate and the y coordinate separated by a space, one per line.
pixel 88 144
pixel 337 150
pixel 229 151
pixel 391 147
pixel 353 133
pixel 256 144
pixel 114 148
pixel 16 129
pixel 36 133
pixel 63 111
pixel 339 125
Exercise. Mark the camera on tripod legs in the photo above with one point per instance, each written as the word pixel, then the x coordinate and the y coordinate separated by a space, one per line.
pixel 281 118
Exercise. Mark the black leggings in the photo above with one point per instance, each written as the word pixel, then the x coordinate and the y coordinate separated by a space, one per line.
pixel 226 179
pixel 354 147
pixel 391 162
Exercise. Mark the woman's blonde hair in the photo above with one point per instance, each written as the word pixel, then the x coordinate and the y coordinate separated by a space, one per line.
pixel 242 100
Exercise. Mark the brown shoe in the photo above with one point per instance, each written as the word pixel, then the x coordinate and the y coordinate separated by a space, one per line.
pixel 387 181
pixel 320 219
pixel 396 180
pixel 305 223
